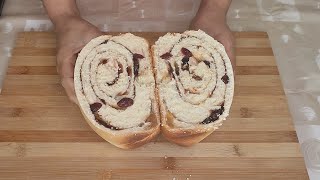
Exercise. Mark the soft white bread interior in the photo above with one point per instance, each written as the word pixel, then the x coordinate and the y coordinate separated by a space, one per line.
pixel 115 88
pixel 195 82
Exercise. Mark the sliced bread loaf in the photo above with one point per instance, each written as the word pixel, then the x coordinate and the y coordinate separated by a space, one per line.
pixel 115 87
pixel 195 81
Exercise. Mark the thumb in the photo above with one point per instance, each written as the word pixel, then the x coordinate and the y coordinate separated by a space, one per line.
pixel 68 85
pixel 65 69
pixel 65 63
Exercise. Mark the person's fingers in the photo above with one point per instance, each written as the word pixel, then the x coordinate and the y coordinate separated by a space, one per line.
pixel 68 85
pixel 65 68
pixel 65 64
pixel 67 55
pixel 70 43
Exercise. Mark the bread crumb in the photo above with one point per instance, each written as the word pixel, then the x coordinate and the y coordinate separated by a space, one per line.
pixel 165 156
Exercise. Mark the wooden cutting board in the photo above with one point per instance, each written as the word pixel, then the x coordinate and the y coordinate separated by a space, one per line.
pixel 44 136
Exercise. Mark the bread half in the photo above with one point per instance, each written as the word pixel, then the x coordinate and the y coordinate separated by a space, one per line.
pixel 195 82
pixel 115 87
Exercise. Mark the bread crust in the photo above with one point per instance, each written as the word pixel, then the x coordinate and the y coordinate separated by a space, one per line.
pixel 184 137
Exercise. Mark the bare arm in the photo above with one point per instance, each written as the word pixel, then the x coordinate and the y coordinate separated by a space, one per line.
pixel 73 33
pixel 211 18
pixel 60 10
pixel 216 7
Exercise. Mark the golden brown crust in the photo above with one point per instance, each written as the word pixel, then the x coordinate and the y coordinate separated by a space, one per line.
pixel 184 137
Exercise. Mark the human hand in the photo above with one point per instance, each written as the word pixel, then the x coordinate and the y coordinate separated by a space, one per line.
pixel 73 33
pixel 213 22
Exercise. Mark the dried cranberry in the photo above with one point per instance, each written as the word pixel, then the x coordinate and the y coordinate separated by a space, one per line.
pixel 137 56
pixel 104 61
pixel 209 120
pixel 166 56
pixel 135 59
pixel 185 63
pixel 207 63
pixel 105 42
pixel 95 107
pixel 213 116
pixel 125 102
pixel 198 78
pixel 185 60
pixel 186 52
pixel 103 101
pixel 225 79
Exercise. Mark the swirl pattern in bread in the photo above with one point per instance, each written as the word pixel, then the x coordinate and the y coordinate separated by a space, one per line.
pixel 195 80
pixel 115 87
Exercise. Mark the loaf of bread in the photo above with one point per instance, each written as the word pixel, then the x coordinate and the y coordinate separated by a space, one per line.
pixel 115 87
pixel 195 84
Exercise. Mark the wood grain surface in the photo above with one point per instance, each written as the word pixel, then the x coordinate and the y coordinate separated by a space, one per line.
pixel 44 136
